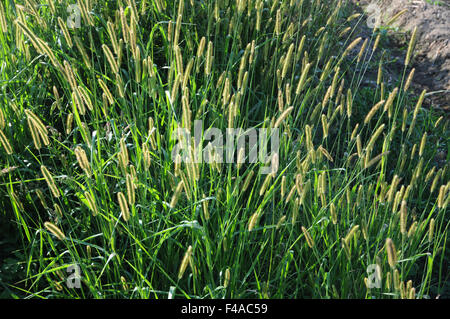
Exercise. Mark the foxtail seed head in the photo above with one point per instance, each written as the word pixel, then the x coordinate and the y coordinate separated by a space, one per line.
pixel 176 194
pixel 403 216
pixel 333 213
pixel 377 41
pixel 351 234
pixel 435 180
pixel 37 128
pixel 89 251
pixel 3 24
pixel 380 71
pixel 419 103
pixel 353 16
pixel 281 221
pixel 130 190
pixel 252 222
pixel 226 280
pixel 391 252
pixel 209 58
pixel 422 143
pixel 308 237
pixel 390 102
pixel 50 182
pixel 55 230
pixel 402 290
pixel 65 32
pixel 287 61
pixel 359 146
pixel 177 29
pixel 185 262
pixel 283 186
pixel 201 47
pixel 412 229
pixel 146 156
pixel 355 130
pixel 241 157
pixel 412 42
pixel 58 210
pixel 349 103
pixel 431 230
pixel 375 159
pixel 343 32
pixel 363 48
pixel 113 36
pixel 205 208
pixel 85 97
pixel 395 17
pixel 412 293
pixel 291 193
pixel 91 203
pixel 123 206
pixel 441 197
pixel 265 184
pixel 409 80
pixel 247 181
pixel 325 153
pixel 4 141
pixel 123 154
pixel 82 160
pixel 438 121
pixel 40 194
pixel 324 126
pixel 84 55
pixel 303 78
pixel 352 45
pixel 404 119
pixel 374 138
pixel 372 112
pixel 2 120
pixel 275 163
pixel 278 22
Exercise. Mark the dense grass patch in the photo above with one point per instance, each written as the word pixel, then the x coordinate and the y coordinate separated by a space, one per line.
pixel 87 121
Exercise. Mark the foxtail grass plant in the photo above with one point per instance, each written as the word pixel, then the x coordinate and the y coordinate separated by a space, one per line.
pixel 90 115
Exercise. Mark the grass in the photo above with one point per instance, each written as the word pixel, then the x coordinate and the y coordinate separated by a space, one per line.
pixel 88 117
pixel 438 3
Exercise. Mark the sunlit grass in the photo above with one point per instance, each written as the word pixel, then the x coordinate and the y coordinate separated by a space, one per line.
pixel 87 120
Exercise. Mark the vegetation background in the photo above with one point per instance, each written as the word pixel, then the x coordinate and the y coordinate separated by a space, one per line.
pixel 87 116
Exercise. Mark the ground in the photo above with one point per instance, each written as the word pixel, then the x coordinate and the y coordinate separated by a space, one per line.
pixel 432 52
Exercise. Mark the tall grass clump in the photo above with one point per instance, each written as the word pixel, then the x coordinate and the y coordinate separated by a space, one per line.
pixel 89 119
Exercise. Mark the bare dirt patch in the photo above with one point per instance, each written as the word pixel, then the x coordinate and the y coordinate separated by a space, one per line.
pixel 432 51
